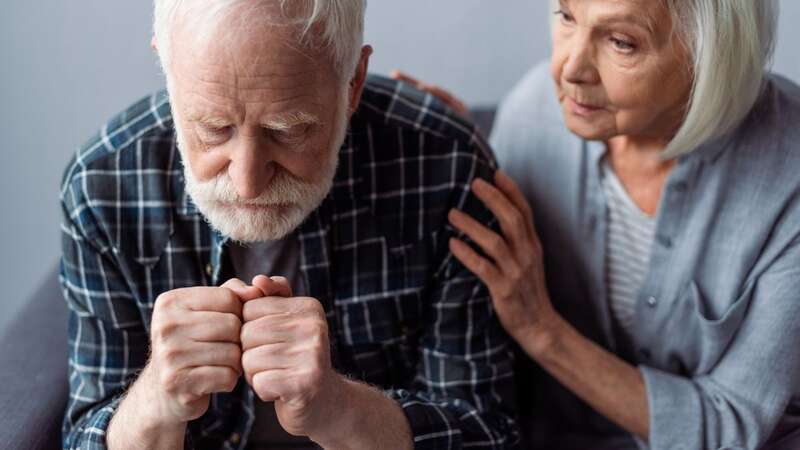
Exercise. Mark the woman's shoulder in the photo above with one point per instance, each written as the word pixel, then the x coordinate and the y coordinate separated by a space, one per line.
pixel 768 140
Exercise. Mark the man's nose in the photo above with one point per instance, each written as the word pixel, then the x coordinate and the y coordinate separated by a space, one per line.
pixel 251 169
pixel 580 66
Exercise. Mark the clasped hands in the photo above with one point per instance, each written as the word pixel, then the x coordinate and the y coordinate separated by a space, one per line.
pixel 204 338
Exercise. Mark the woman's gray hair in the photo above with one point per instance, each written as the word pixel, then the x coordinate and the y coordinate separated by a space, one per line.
pixel 730 44
pixel 335 26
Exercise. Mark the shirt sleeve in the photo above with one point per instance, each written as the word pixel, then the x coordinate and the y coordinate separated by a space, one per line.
pixel 739 402
pixel 463 395
pixel 108 343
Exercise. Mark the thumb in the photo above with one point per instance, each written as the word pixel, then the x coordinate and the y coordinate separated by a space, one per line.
pixel 273 287
pixel 241 289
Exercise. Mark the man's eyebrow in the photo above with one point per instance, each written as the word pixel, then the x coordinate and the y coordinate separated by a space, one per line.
pixel 211 120
pixel 286 121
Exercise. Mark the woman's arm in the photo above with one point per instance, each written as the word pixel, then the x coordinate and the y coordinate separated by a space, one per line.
pixel 515 278
pixel 736 404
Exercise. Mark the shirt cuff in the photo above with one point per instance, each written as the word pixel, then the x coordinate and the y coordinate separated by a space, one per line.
pixel 90 434
pixel 674 403
pixel 432 425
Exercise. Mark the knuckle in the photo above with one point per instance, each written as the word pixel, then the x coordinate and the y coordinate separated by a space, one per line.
pixel 496 243
pixel 515 274
pixel 231 300
pixel 515 220
pixel 230 380
pixel 170 381
pixel 170 356
pixel 233 324
pixel 163 330
pixel 166 300
pixel 482 267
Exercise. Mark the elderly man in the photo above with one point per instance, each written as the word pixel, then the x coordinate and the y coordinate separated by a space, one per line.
pixel 321 195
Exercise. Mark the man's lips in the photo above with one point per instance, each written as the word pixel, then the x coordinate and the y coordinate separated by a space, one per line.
pixel 582 109
pixel 256 206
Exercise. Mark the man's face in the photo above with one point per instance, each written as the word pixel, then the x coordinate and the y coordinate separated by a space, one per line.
pixel 259 124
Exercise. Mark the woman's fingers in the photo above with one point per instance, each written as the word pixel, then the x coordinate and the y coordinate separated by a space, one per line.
pixel 510 189
pixel 475 263
pixel 492 243
pixel 442 94
pixel 404 77
pixel 512 221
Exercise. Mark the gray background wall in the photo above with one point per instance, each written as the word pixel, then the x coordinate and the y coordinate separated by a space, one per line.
pixel 67 66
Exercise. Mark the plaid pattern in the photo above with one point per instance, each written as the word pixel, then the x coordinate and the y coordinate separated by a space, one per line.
pixel 404 315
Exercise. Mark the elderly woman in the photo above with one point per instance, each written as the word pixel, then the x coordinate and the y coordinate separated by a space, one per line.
pixel 649 260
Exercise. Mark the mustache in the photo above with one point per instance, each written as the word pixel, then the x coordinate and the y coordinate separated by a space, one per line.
pixel 283 188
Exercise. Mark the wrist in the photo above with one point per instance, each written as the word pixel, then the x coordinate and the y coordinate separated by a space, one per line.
pixel 136 424
pixel 152 415
pixel 334 423
pixel 540 340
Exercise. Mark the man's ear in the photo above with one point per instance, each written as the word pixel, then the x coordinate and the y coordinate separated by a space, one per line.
pixel 359 79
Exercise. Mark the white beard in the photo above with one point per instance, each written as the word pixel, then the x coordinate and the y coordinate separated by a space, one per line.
pixel 279 210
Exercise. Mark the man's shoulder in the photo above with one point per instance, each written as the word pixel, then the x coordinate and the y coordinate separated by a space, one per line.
pixel 396 110
pixel 412 159
pixel 126 177
pixel 140 138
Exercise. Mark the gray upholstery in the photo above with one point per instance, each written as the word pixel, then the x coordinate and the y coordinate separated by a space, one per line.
pixel 33 371
pixel 33 361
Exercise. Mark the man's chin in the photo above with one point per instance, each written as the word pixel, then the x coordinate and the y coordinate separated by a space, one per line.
pixel 254 223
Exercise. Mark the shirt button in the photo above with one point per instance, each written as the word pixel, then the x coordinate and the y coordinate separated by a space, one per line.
pixel 235 438
pixel 665 241
pixel 651 302
pixel 209 269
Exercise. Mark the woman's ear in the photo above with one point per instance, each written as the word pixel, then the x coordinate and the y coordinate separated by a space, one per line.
pixel 359 79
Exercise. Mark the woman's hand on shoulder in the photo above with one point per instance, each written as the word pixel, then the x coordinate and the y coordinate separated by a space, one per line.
pixel 514 269
pixel 446 97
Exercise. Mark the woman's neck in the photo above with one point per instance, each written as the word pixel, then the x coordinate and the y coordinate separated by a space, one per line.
pixel 640 168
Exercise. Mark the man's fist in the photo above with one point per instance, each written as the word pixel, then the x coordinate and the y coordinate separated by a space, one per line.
pixel 195 349
pixel 286 355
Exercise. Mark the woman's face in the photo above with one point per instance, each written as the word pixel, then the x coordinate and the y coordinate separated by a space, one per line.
pixel 619 69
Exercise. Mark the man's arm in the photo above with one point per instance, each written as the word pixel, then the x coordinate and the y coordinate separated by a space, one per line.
pixel 463 394
pixel 107 340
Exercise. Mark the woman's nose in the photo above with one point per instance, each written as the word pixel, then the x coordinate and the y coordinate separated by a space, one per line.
pixel 580 67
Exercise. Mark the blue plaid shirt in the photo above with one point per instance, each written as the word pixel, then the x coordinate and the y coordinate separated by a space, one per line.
pixel 404 315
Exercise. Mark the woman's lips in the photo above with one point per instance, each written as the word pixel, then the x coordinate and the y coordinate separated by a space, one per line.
pixel 582 109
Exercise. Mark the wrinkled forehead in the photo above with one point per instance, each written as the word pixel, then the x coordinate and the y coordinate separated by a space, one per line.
pixel 246 40
pixel 650 15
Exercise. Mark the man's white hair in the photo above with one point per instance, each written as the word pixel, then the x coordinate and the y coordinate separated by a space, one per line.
pixel 333 26
pixel 731 44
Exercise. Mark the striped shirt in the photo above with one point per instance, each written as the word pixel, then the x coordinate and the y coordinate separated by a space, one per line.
pixel 630 234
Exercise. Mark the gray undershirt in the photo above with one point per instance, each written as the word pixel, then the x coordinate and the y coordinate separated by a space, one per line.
pixel 272 258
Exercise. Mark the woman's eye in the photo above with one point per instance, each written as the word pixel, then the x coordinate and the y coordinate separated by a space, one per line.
pixel 565 16
pixel 623 45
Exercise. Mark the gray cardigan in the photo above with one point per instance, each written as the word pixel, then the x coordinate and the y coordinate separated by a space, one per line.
pixel 717 334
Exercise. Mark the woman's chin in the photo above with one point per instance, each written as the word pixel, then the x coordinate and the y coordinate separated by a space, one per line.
pixel 590 129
